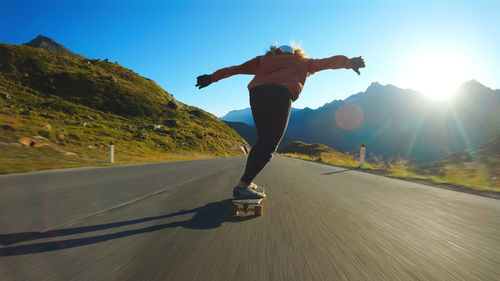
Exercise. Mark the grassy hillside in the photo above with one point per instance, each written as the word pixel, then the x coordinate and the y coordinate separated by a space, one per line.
pixel 98 84
pixel 465 170
pixel 314 149
pixel 60 111
pixel 480 168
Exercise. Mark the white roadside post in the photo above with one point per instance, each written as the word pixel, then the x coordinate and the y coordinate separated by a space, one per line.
pixel 111 153
pixel 362 155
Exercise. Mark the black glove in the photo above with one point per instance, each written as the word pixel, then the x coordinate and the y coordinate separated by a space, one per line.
pixel 203 81
pixel 357 63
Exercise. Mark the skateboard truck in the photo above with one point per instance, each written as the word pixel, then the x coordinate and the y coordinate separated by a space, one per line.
pixel 246 205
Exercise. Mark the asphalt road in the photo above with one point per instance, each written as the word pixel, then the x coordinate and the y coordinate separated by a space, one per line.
pixel 169 221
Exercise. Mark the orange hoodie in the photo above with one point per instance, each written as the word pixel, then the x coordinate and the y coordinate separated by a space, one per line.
pixel 285 69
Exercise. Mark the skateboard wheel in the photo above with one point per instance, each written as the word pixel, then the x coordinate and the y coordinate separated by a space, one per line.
pixel 233 210
pixel 259 210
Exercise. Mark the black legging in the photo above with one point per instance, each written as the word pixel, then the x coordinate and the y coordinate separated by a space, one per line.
pixel 271 105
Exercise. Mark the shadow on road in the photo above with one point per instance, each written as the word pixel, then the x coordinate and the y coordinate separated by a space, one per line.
pixel 209 216
pixel 335 172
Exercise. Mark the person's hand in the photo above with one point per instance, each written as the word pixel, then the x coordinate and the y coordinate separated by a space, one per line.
pixel 357 63
pixel 203 81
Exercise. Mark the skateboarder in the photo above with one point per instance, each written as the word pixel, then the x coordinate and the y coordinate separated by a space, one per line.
pixel 280 75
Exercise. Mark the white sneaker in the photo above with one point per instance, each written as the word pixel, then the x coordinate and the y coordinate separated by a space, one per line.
pixel 247 193
pixel 257 188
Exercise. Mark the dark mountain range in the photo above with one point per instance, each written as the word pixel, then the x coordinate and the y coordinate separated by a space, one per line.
pixel 245 116
pixel 239 115
pixel 48 44
pixel 246 131
pixel 394 122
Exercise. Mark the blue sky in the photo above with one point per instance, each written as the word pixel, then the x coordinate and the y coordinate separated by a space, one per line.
pixel 405 43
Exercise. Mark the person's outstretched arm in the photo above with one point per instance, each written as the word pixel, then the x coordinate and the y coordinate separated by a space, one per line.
pixel 336 62
pixel 249 67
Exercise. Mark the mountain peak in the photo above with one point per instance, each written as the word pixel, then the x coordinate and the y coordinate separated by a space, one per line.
pixel 39 39
pixel 473 84
pixel 474 88
pixel 377 88
pixel 49 44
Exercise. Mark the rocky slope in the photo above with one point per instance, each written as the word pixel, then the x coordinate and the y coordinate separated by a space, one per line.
pixel 79 106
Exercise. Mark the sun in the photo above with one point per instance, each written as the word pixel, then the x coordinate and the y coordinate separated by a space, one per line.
pixel 437 75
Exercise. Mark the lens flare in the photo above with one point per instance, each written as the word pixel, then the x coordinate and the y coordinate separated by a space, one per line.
pixel 349 116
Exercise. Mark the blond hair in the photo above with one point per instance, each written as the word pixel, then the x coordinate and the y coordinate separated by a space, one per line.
pixel 299 52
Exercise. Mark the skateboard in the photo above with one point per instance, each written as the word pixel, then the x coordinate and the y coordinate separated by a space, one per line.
pixel 247 205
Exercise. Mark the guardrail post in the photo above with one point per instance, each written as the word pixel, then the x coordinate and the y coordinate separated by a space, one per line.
pixel 111 153
pixel 362 155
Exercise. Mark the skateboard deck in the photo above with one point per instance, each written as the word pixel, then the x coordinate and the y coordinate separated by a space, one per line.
pixel 246 205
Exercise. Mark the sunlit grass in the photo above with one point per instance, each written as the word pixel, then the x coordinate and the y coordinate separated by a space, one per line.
pixel 69 145
pixel 334 159
pixel 324 154
pixel 15 158
pixel 468 176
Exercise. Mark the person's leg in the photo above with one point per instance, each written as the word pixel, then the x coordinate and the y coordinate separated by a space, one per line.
pixel 258 104
pixel 271 110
